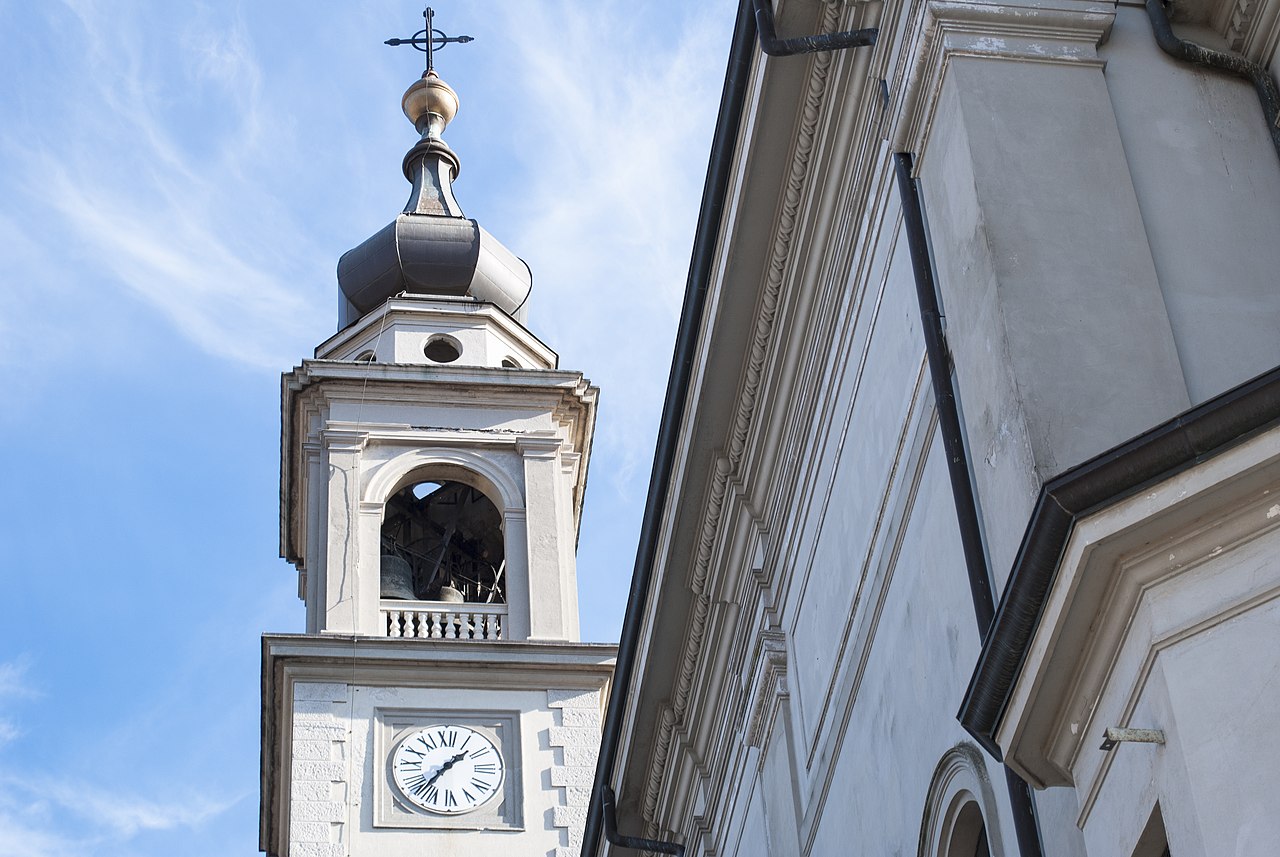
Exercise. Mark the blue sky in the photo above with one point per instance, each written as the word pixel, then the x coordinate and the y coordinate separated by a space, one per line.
pixel 177 181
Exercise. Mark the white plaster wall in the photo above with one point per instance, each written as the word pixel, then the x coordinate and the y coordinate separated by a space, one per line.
pixel 1207 179
pixel 903 717
pixel 883 360
pixel 1214 689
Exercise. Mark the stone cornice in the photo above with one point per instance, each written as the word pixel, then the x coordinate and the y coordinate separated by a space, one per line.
pixel 1059 31
pixel 802 152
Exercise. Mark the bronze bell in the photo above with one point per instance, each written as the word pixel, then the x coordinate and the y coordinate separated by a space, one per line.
pixel 396 577
pixel 450 595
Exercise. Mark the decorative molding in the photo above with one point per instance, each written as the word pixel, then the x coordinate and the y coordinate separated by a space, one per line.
pixel 1240 21
pixel 780 255
pixel 960 778
pixel 494 480
pixel 750 388
pixel 1067 33
pixel 769 688
pixel 658 770
pixel 344 440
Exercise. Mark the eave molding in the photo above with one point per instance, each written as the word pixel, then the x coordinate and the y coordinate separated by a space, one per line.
pixel 672 719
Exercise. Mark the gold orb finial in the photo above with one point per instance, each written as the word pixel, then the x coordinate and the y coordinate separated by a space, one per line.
pixel 430 104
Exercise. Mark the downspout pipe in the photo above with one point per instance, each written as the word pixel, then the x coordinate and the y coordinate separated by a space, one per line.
pixel 1181 49
pixel 635 843
pixel 776 47
pixel 962 492
pixel 707 238
pixel 755 21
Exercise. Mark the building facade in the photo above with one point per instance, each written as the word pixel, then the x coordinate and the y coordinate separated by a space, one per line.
pixel 433 464
pixel 965 538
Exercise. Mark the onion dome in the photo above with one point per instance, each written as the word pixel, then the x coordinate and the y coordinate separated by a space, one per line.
pixel 431 248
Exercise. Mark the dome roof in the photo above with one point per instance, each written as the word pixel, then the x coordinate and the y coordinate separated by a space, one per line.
pixel 431 248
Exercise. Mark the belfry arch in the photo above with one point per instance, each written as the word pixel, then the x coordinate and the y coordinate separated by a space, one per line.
pixel 442 540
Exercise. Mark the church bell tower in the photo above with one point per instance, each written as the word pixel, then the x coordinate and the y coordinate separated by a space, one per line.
pixel 433 463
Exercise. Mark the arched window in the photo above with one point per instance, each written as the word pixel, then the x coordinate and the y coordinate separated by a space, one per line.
pixel 959 811
pixel 442 541
pixel 968 833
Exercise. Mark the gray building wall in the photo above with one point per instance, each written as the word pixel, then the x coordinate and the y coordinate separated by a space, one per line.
pixel 1103 223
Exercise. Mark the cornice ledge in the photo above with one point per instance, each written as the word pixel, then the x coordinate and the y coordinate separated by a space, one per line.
pixel 1063 31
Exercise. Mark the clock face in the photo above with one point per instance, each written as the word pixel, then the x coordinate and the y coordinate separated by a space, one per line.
pixel 447 769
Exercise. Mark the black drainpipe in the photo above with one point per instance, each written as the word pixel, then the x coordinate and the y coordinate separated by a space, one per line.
pixel 962 491
pixel 1191 52
pixel 601 818
pixel 776 47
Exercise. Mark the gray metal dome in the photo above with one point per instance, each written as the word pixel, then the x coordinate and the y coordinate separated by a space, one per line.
pixel 431 248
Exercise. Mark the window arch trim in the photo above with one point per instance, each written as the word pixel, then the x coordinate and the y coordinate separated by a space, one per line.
pixel 959 780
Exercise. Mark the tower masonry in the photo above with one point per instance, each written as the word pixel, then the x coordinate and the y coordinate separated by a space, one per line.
pixel 433 464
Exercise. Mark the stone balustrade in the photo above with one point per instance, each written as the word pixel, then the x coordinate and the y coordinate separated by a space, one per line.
pixel 441 620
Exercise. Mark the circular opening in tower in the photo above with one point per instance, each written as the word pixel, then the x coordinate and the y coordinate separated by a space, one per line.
pixel 510 363
pixel 442 349
pixel 442 541
pixel 366 357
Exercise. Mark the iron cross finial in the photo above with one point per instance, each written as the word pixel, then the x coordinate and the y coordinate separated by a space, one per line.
pixel 429 40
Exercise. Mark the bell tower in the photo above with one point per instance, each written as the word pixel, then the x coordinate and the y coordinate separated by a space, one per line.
pixel 433 464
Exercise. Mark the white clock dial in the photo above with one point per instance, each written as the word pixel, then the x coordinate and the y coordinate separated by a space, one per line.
pixel 447 769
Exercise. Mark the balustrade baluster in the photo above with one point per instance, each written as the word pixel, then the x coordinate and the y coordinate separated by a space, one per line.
pixel 482 622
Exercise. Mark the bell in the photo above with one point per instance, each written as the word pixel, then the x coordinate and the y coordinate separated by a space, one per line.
pixel 451 595
pixel 396 577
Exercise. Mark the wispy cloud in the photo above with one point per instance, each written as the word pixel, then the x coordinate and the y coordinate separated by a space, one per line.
pixel 13 679
pixel 34 816
pixel 615 193
pixel 169 205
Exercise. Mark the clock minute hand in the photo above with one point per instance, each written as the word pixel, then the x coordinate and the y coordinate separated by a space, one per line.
pixel 446 766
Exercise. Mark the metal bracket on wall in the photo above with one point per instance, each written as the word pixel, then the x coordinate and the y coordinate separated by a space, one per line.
pixel 1115 735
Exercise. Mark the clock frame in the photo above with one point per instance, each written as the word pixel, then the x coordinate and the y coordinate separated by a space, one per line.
pixel 501 810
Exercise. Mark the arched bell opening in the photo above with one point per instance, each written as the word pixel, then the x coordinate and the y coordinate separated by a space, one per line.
pixel 442 540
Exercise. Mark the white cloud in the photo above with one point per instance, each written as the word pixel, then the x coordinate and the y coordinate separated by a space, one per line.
pixel 615 194
pixel 34 816
pixel 13 679
pixel 172 210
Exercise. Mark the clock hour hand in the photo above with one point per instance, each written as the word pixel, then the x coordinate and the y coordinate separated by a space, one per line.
pixel 446 766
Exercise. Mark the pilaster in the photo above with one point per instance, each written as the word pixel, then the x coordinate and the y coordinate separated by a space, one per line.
pixel 343 592
pixel 1054 313
pixel 550 559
